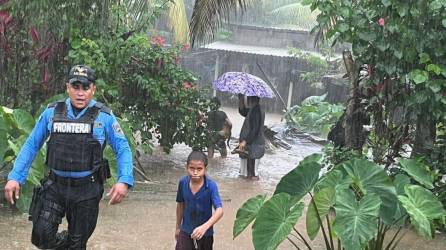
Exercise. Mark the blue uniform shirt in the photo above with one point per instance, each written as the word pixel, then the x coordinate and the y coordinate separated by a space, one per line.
pixel 198 207
pixel 106 128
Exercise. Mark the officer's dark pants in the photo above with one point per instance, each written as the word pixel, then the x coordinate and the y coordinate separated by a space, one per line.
pixel 80 204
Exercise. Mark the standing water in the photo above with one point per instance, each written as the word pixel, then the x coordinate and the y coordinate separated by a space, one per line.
pixel 146 218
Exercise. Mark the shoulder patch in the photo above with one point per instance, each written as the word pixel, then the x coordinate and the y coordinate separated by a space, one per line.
pixel 103 108
pixel 117 129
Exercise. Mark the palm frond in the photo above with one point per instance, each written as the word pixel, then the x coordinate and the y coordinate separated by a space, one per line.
pixel 137 12
pixel 295 15
pixel 178 21
pixel 208 14
pixel 272 5
pixel 321 31
pixel 140 14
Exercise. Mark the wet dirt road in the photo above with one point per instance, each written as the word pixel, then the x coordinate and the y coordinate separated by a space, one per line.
pixel 146 219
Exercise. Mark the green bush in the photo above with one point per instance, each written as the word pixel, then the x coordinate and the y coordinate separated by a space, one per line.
pixel 358 200
pixel 314 115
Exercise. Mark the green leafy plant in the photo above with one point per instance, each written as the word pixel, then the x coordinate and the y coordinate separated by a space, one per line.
pixel 143 80
pixel 15 126
pixel 355 204
pixel 288 14
pixel 317 66
pixel 314 115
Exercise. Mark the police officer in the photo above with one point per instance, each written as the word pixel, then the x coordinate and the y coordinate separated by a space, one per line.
pixel 78 129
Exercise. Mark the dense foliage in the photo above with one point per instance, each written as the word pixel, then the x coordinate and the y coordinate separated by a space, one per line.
pixel 355 204
pixel 399 55
pixel 398 60
pixel 399 44
pixel 314 115
pixel 143 80
pixel 289 14
pixel 140 77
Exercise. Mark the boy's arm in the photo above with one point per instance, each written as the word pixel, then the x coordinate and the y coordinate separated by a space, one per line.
pixel 199 232
pixel 180 209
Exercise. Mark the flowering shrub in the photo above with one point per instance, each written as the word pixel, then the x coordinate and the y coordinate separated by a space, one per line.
pixel 143 81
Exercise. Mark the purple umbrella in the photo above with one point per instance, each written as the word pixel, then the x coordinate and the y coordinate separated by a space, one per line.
pixel 243 83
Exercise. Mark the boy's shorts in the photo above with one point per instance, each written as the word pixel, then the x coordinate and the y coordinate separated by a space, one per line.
pixel 185 242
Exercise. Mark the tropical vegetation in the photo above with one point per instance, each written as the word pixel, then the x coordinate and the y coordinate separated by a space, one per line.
pixel 314 115
pixel 390 179
pixel 287 14
pixel 140 75
pixel 356 204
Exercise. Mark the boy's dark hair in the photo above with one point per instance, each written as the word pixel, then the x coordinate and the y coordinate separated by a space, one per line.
pixel 198 156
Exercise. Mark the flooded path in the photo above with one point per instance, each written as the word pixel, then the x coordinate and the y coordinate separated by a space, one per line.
pixel 146 219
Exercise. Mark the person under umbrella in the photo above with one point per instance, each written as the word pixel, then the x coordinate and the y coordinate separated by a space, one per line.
pixel 252 140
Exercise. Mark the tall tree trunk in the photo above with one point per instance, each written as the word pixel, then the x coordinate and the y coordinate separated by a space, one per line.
pixel 425 135
pixel 354 116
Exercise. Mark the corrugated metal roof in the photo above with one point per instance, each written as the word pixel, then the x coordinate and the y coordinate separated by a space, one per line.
pixel 226 46
pixel 258 27
pixel 257 50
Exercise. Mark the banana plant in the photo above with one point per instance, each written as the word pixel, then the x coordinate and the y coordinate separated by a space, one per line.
pixel 353 205
pixel 314 115
pixel 15 126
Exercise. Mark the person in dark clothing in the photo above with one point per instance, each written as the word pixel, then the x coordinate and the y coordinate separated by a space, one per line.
pixel 220 128
pixel 251 139
pixel 78 129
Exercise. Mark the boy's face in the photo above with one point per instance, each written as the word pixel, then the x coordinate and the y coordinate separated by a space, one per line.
pixel 196 170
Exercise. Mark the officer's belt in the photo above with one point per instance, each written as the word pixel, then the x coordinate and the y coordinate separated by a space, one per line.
pixel 73 182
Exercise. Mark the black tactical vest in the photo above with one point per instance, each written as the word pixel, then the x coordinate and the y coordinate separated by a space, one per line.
pixel 71 146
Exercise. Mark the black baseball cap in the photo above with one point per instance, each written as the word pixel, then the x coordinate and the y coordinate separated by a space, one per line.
pixel 82 74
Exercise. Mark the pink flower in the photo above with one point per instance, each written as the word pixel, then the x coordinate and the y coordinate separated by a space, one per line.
pixel 185 47
pixel 34 35
pixel 5 17
pixel 187 85
pixel 46 76
pixel 381 21
pixel 158 41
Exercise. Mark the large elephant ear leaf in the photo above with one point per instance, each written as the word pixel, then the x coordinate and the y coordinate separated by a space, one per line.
pixel 275 221
pixel 330 180
pixel 423 207
pixel 110 156
pixel 400 181
pixel 371 178
pixel 38 168
pixel 3 144
pixel 247 213
pixel 324 200
pixel 3 124
pixel 300 180
pixel 419 171
pixel 356 221
pixel 7 122
pixel 313 158
pixel 24 120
